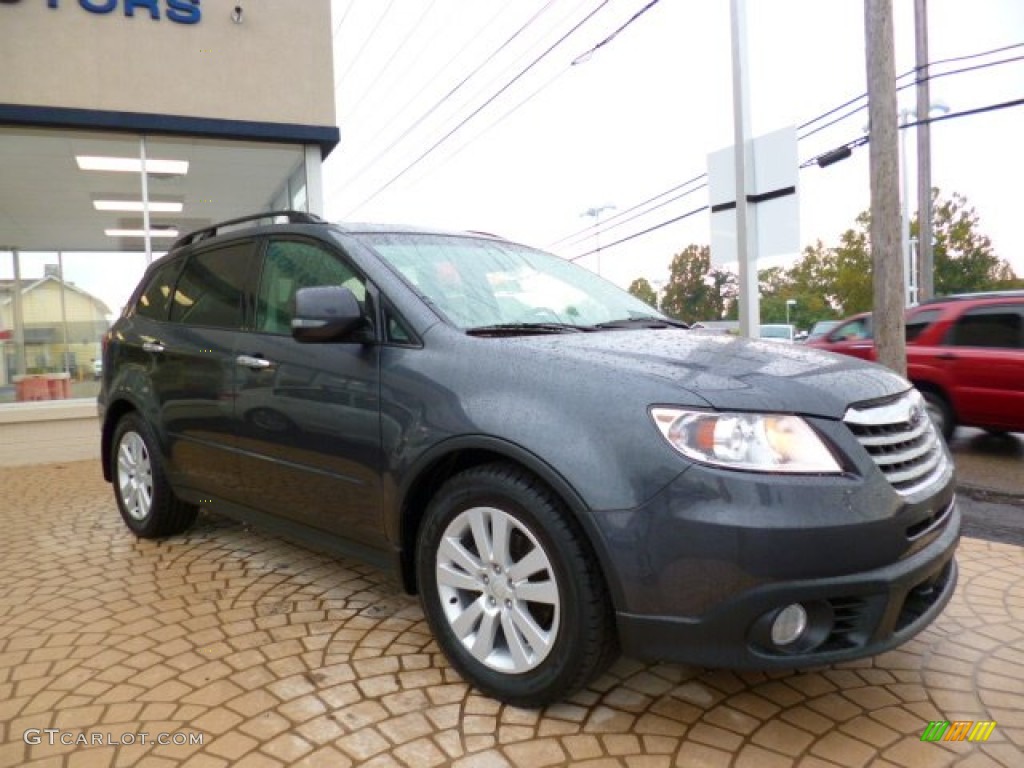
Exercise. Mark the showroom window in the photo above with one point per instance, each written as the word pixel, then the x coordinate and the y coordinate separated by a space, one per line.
pixel 79 224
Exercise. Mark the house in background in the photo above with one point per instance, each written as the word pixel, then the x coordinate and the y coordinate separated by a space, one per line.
pixel 61 324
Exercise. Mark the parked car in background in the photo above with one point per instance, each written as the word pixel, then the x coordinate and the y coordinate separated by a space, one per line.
pixel 820 329
pixel 558 470
pixel 965 353
pixel 777 332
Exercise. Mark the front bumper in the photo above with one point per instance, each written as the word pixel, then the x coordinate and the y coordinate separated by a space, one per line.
pixel 700 571
pixel 851 616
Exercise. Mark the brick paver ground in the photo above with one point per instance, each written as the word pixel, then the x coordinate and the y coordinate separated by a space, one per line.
pixel 279 656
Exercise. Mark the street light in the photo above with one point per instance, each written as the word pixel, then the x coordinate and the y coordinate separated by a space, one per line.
pixel 910 278
pixel 595 214
pixel 789 303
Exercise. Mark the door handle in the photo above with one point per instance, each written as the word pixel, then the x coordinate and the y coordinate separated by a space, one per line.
pixel 946 356
pixel 255 363
pixel 152 346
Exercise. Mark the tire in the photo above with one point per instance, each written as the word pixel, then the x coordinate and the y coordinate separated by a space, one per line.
pixel 940 412
pixel 525 652
pixel 144 497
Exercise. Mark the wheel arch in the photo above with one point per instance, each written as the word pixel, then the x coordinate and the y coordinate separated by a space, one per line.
pixel 456 456
pixel 114 413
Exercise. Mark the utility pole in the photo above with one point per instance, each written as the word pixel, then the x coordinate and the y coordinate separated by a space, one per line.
pixel 746 228
pixel 887 264
pixel 925 258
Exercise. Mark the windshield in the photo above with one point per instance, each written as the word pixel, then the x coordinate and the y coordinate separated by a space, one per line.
pixel 479 283
pixel 777 332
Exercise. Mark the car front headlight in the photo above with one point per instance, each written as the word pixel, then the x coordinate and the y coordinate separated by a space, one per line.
pixel 760 442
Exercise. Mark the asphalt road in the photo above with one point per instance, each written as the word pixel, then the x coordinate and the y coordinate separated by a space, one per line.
pixel 992 516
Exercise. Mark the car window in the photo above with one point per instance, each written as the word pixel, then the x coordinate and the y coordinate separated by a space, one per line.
pixel 919 321
pixel 997 327
pixel 853 330
pixel 210 289
pixel 289 265
pixel 479 282
pixel 155 300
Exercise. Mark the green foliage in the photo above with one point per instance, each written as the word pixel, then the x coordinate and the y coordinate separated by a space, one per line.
pixel 644 291
pixel 964 259
pixel 694 291
pixel 833 282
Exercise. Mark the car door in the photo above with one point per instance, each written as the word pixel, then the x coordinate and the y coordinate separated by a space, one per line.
pixel 308 415
pixel 983 354
pixel 193 368
pixel 853 337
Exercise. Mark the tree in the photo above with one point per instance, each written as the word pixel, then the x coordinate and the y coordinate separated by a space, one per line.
pixel 964 258
pixel 644 291
pixel 696 292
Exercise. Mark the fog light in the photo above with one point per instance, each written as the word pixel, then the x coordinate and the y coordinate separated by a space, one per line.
pixel 789 625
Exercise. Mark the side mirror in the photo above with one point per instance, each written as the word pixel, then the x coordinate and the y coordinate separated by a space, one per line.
pixel 328 313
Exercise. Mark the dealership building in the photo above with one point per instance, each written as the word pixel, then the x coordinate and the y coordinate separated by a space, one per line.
pixel 124 124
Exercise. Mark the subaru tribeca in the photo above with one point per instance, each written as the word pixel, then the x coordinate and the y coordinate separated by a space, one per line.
pixel 559 471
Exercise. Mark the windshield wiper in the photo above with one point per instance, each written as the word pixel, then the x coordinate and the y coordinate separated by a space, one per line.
pixel 512 329
pixel 642 322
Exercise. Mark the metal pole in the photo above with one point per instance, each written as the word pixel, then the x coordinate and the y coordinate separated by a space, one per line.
pixel 746 232
pixel 909 283
pixel 925 257
pixel 887 272
pixel 20 355
pixel 145 201
pixel 64 312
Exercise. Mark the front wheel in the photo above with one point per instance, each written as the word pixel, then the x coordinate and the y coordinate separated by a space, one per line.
pixel 144 497
pixel 940 412
pixel 510 590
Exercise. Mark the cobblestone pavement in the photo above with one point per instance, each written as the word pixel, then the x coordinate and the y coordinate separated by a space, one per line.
pixel 279 656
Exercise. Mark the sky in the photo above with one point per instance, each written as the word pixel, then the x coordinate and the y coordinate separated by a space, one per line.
pixel 640 115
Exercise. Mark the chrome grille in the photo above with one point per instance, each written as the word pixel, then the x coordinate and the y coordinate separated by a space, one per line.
pixel 901 439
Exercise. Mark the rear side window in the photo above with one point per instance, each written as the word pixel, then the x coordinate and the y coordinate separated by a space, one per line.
pixel 919 321
pixel 210 289
pixel 155 300
pixel 992 327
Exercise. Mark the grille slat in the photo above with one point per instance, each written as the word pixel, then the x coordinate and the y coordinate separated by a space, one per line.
pixel 900 438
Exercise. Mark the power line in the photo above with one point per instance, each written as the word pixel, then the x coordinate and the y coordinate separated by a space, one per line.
pixel 640 214
pixel 366 42
pixel 480 108
pixel 856 142
pixel 914 71
pixel 635 235
pixel 589 230
pixel 419 121
pixel 398 48
pixel 935 76
pixel 586 56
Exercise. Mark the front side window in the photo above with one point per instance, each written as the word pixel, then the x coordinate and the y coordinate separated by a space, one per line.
pixel 854 330
pixel 155 301
pixel 209 291
pixel 992 327
pixel 290 265
pixel 919 321
pixel 478 282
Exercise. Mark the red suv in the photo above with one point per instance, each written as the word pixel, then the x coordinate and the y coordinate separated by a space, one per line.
pixel 965 353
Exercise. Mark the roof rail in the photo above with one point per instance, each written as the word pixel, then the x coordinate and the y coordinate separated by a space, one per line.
pixel 1007 294
pixel 294 217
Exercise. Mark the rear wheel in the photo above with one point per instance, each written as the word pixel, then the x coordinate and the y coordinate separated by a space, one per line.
pixel 144 497
pixel 510 589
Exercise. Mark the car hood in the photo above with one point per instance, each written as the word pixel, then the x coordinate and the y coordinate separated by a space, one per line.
pixel 727 372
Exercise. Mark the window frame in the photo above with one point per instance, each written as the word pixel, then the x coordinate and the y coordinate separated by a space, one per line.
pixel 371 299
pixel 252 245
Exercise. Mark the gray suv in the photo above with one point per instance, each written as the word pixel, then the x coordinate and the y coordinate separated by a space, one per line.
pixel 559 471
